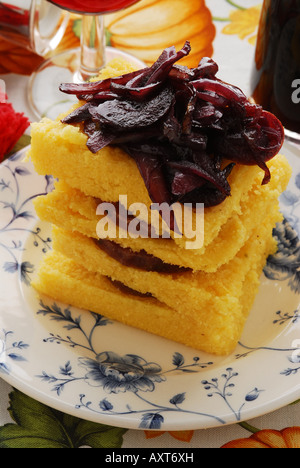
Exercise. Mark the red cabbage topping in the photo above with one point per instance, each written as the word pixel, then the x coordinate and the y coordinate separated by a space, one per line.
pixel 185 128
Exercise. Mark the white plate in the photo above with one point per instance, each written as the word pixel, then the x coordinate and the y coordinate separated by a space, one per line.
pixel 99 370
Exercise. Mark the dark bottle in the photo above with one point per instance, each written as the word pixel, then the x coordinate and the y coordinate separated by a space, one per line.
pixel 276 74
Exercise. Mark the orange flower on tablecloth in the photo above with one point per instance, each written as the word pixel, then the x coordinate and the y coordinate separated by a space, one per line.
pixel 183 436
pixel 149 26
pixel 244 23
pixel 287 438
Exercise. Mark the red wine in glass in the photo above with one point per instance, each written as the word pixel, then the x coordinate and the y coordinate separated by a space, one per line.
pixel 93 6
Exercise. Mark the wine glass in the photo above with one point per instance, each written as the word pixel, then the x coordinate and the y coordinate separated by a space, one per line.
pixel 82 64
pixel 35 25
pixel 32 24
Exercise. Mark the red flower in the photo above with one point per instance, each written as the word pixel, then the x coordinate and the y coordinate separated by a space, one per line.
pixel 12 127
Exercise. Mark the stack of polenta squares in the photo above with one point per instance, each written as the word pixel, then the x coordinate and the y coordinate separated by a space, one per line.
pixel 199 297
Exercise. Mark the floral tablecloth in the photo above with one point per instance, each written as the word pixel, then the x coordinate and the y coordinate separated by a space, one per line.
pixel 226 30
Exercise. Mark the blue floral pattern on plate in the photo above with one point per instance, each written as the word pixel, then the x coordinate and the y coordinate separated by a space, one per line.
pixel 84 364
pixel 285 263
pixel 131 373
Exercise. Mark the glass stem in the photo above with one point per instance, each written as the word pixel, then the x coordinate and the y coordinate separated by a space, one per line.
pixel 93 43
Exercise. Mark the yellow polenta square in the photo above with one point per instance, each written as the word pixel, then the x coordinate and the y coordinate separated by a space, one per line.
pixel 214 325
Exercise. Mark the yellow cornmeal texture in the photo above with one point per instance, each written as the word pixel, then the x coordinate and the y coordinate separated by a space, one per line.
pixel 72 210
pixel 192 294
pixel 206 308
pixel 215 329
